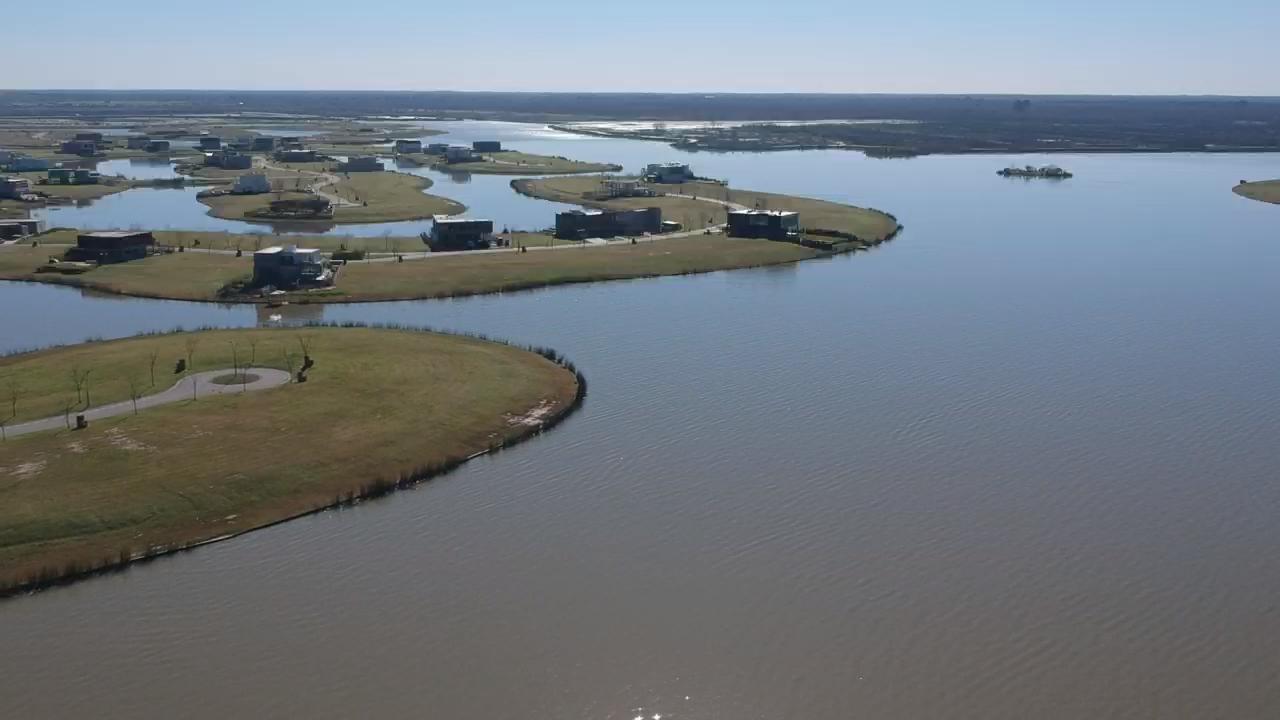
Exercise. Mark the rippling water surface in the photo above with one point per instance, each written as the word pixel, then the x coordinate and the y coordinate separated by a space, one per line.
pixel 1021 462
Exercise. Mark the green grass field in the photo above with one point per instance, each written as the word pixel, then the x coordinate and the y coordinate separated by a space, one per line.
pixel 382 197
pixel 1267 191
pixel 511 162
pixel 377 404
pixel 506 271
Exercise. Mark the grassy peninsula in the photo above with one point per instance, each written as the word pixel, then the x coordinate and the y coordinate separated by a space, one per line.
pixel 381 408
pixel 357 198
pixel 1267 191
pixel 511 162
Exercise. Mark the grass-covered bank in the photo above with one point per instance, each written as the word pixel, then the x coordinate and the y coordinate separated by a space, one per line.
pixel 369 197
pixel 512 162
pixel 382 408
pixel 1267 191
pixel 698 204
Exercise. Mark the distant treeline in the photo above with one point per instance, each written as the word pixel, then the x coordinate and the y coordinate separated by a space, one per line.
pixel 938 123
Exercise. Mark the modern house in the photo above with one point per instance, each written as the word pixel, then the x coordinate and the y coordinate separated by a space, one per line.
pixel 228 160
pixel 437 148
pixel 29 164
pixel 582 224
pixel 364 163
pixel 296 156
pixel 251 184
pixel 668 173
pixel 112 247
pixel 158 146
pixel 626 188
pixel 210 143
pixel 93 137
pixel 263 143
pixel 307 208
pixel 14 187
pixel 15 229
pixel 84 148
pixel 408 146
pixel 290 266
pixel 484 146
pixel 137 142
pixel 459 153
pixel 73 176
pixel 767 224
pixel 449 233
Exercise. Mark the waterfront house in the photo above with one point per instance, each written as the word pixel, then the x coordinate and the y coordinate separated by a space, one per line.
pixel 408 146
pixel 296 156
pixel 485 146
pixel 364 163
pixel 137 142
pixel 73 176
pixel 14 187
pixel 668 173
pixel 251 184
pixel 210 143
pixel 459 154
pixel 112 246
pixel 437 148
pixel 84 148
pixel 16 229
pixel 290 266
pixel 228 160
pixel 93 137
pixel 767 224
pixel 29 164
pixel 582 224
pixel 263 144
pixel 450 233
pixel 158 146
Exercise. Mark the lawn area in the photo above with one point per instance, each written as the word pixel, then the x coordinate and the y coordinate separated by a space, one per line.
pixel 381 197
pixel 1267 191
pixel 863 222
pixel 180 276
pixel 511 162
pixel 379 405
pixel 497 272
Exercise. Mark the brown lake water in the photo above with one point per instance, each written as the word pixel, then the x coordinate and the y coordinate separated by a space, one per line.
pixel 1021 462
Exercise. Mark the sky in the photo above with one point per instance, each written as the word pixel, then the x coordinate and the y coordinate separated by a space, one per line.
pixel 850 46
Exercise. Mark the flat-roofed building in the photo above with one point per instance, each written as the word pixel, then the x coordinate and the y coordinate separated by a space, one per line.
pixel 668 173
pixel 251 184
pixel 113 246
pixel 210 143
pixel 450 233
pixel 290 266
pixel 408 146
pixel 263 143
pixel 363 163
pixel 582 224
pixel 296 156
pixel 484 146
pixel 83 148
pixel 137 142
pixel 459 154
pixel 158 146
pixel 767 224
pixel 14 187
pixel 15 229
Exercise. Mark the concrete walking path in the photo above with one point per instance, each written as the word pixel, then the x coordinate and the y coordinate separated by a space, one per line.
pixel 267 378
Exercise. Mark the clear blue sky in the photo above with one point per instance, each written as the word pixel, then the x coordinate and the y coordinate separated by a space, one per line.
pixel 907 46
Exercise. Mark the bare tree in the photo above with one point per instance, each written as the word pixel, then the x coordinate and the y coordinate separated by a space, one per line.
pixel 87 401
pixel 77 379
pixel 151 365
pixel 253 351
pixel 67 406
pixel 13 408
pixel 191 343
pixel 134 392
pixel 288 362
pixel 304 341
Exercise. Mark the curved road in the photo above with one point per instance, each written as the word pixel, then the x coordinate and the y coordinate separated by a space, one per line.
pixel 182 390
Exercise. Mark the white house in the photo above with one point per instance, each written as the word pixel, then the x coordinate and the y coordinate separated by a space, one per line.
pixel 252 184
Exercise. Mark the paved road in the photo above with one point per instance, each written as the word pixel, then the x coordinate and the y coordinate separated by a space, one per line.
pixel 182 391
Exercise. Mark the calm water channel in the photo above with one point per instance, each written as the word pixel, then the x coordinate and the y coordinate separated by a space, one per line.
pixel 1019 463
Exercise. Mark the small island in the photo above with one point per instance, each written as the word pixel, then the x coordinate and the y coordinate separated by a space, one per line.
pixel 1267 191
pixel 200 436
pixel 1048 172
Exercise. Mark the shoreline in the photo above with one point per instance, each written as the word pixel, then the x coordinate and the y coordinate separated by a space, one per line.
pixel 369 489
